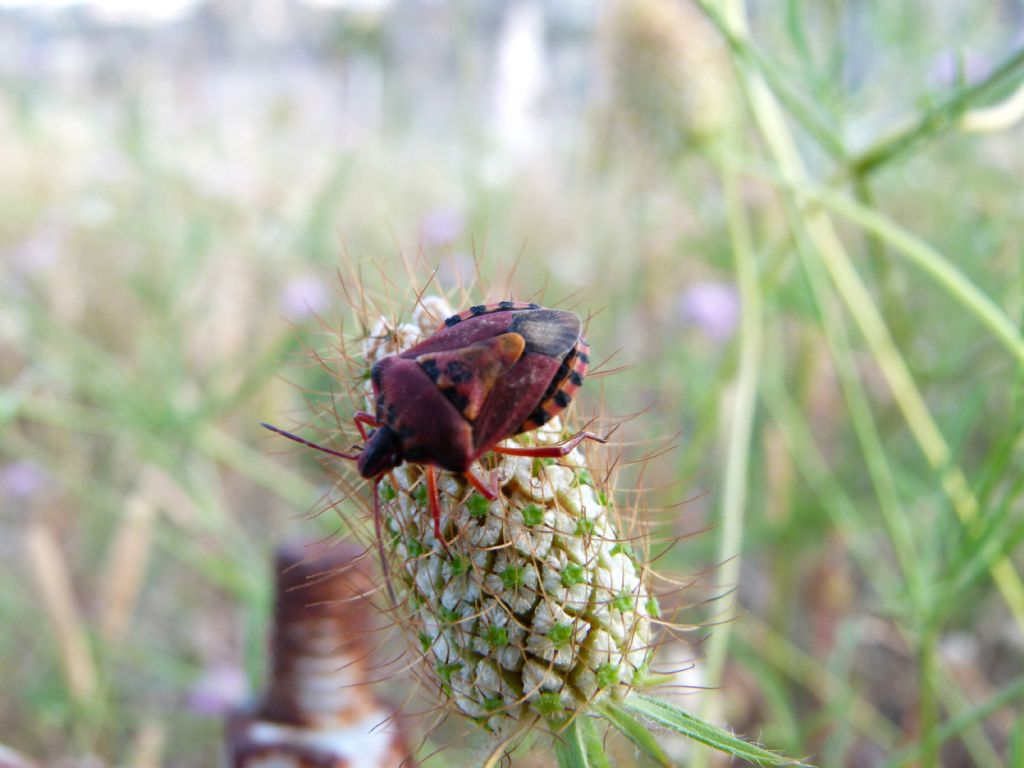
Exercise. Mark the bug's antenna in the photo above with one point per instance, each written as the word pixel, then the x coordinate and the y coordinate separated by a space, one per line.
pixel 303 441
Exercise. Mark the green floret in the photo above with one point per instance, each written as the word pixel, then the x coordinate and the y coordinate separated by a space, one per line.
pixel 493 704
pixel 607 674
pixel 572 575
pixel 653 607
pixel 512 577
pixel 497 637
pixel 584 527
pixel 560 634
pixel 624 602
pixel 444 671
pixel 549 704
pixel 532 515
pixel 460 565
pixel 477 505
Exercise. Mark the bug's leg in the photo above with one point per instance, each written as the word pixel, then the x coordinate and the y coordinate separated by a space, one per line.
pixel 378 528
pixel 551 451
pixel 363 420
pixel 489 492
pixel 435 502
pixel 309 443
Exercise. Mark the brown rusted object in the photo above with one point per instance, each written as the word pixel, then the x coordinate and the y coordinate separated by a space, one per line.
pixel 318 711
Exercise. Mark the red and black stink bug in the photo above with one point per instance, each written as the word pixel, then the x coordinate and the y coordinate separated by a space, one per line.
pixel 487 374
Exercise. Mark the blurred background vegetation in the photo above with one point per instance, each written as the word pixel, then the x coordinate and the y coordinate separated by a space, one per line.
pixel 797 225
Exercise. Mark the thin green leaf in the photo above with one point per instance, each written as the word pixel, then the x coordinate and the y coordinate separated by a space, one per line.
pixel 569 748
pixel 593 743
pixel 683 722
pixel 635 731
pixel 1017 742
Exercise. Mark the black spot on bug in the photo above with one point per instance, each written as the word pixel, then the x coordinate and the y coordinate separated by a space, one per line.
pixel 453 320
pixel 531 305
pixel 584 358
pixel 563 371
pixel 575 379
pixel 459 401
pixel 430 368
pixel 561 399
pixel 506 304
pixel 375 377
pixel 479 309
pixel 458 372
pixel 539 416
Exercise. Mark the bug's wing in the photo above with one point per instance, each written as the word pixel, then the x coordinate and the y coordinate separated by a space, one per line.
pixel 551 335
pixel 467 376
pixel 550 332
pixel 514 397
pixel 462 335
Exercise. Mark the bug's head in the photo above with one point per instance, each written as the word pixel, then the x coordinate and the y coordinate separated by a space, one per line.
pixel 383 451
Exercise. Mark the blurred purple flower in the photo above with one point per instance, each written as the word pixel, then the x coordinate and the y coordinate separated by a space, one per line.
pixel 712 306
pixel 948 67
pixel 440 227
pixel 459 270
pixel 303 297
pixel 39 251
pixel 218 690
pixel 21 479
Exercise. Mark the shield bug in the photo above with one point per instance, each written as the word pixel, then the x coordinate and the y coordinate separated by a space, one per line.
pixel 486 374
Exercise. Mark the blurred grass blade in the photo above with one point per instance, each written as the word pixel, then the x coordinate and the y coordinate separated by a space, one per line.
pixel 820 231
pixel 670 716
pixel 51 574
pixel 959 724
pixel 800 105
pixel 635 731
pixel 817 678
pixel 569 747
pixel 1017 742
pixel 740 430
pixel 941 269
pixel 125 570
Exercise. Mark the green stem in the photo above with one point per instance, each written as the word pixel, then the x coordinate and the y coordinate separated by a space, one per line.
pixel 938 266
pixel 741 426
pixel 871 443
pixel 928 708
pixel 797 104
pixel 935 121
